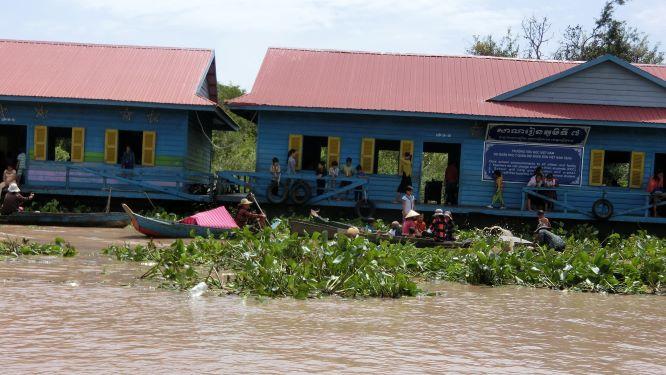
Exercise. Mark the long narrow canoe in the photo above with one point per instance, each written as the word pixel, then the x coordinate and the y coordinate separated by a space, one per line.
pixel 100 219
pixel 302 227
pixel 169 229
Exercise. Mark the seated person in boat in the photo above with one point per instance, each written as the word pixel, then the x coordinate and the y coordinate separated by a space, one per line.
pixel 449 227
pixel 396 229
pixel 371 225
pixel 245 216
pixel 543 236
pixel 13 200
pixel 420 224
pixel 442 227
pixel 352 232
pixel 409 226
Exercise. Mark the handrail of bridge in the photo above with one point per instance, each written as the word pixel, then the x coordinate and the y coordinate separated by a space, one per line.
pixel 354 182
pixel 144 185
pixel 534 191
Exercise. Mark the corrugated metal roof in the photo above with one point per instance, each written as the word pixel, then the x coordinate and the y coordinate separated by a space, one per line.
pixel 103 72
pixel 457 85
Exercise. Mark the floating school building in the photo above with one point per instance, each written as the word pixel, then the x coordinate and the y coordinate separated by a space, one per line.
pixel 599 126
pixel 74 108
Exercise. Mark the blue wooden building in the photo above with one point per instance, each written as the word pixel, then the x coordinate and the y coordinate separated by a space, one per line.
pixel 599 127
pixel 73 109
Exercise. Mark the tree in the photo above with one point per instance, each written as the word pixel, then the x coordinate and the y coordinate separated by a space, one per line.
pixel 609 36
pixel 234 150
pixel 535 31
pixel 488 46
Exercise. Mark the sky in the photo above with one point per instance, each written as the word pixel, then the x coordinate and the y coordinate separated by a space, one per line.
pixel 240 31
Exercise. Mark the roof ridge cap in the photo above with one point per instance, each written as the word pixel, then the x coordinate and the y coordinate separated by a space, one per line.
pixel 379 53
pixel 102 45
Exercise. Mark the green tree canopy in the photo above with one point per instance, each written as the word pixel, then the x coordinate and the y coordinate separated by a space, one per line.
pixel 234 150
pixel 609 36
pixel 489 46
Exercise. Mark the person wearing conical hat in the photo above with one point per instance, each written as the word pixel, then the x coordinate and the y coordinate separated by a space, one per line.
pixel 352 232
pixel 13 200
pixel 245 216
pixel 409 225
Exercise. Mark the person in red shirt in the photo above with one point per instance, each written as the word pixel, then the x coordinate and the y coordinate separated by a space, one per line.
pixel 420 225
pixel 409 225
pixel 451 183
pixel 656 189
pixel 246 217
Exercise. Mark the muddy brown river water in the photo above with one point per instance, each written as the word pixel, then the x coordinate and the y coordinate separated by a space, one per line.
pixel 89 314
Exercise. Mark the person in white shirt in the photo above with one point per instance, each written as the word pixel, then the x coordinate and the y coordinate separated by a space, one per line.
pixel 408 201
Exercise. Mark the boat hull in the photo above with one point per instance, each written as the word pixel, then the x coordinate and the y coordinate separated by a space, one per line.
pixel 168 229
pixel 102 220
pixel 308 227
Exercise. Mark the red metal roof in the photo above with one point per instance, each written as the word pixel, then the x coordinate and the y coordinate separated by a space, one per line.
pixel 104 72
pixel 456 85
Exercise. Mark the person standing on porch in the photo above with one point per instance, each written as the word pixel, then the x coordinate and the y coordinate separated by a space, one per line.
pixel 408 202
pixel 333 173
pixel 406 178
pixel 656 189
pixel 8 177
pixel 20 166
pixel 451 184
pixel 498 197
pixel 291 162
pixel 347 171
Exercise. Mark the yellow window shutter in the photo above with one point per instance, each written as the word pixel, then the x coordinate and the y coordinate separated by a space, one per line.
pixel 148 152
pixel 78 141
pixel 111 146
pixel 296 143
pixel 333 150
pixel 40 142
pixel 596 167
pixel 405 146
pixel 637 170
pixel 368 155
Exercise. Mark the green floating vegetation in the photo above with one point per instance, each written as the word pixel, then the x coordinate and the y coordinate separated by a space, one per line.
pixel 278 263
pixel 58 247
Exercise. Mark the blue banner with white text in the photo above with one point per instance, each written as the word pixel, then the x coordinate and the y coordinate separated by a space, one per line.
pixel 517 162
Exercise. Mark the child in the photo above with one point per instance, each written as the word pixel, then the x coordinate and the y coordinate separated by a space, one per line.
pixel 347 171
pixel 550 181
pixel 537 182
pixel 396 229
pixel 449 227
pixel 498 197
pixel 333 173
pixel 358 193
pixel 275 175
pixel 542 220
pixel 420 224
pixel 437 227
pixel 321 183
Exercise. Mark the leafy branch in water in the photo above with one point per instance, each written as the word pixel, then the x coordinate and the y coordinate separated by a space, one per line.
pixel 24 247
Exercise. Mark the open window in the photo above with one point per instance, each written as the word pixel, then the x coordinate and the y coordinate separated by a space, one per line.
pixel 624 169
pixel 387 155
pixel 59 144
pixel 133 140
pixel 315 149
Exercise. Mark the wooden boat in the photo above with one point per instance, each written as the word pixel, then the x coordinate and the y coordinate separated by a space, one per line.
pixel 302 227
pixel 169 229
pixel 98 219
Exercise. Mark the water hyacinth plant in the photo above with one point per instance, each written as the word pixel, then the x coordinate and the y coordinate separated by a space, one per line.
pixel 278 263
pixel 16 248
